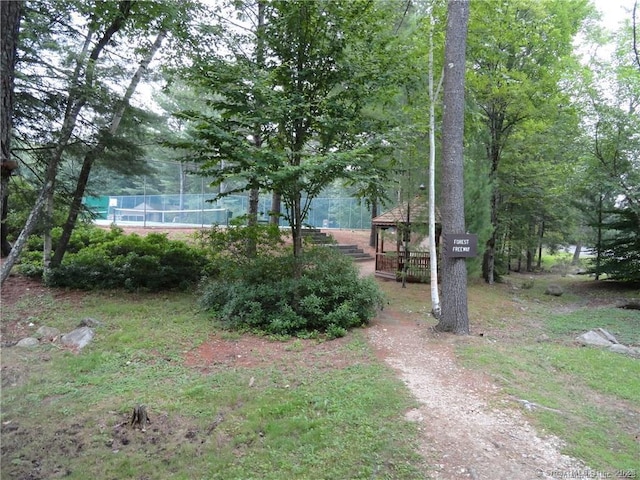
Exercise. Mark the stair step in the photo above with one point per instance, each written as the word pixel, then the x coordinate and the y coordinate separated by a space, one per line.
pixel 316 236
pixel 352 251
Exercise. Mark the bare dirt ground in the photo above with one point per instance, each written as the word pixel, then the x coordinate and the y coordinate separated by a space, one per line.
pixel 468 427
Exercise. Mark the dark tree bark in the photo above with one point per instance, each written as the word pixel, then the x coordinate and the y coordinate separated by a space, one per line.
pixel 455 316
pixel 254 193
pixel 374 214
pixel 10 13
pixel 75 102
pixel 140 417
pixel 276 208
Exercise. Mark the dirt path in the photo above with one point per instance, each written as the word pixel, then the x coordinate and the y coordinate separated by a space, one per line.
pixel 470 429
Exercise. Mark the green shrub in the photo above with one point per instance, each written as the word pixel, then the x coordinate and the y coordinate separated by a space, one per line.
pixel 232 245
pixel 262 293
pixel 112 259
pixel 83 236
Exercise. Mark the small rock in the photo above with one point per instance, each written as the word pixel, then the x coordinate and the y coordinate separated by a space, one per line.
pixel 617 348
pixel 593 338
pixel 607 335
pixel 633 304
pixel 90 322
pixel 47 333
pixel 28 342
pixel 554 289
pixel 78 338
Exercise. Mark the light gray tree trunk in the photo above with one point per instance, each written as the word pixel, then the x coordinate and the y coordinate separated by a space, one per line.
pixel 433 253
pixel 455 316
pixel 48 203
pixel 97 150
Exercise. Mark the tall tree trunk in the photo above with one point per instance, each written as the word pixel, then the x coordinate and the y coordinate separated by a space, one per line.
pixel 455 316
pixel 5 245
pixel 10 13
pixel 599 239
pixel 48 240
pixel 634 27
pixel 276 208
pixel 489 261
pixel 433 254
pixel 296 226
pixel 97 150
pixel 530 252
pixel 373 232
pixel 76 100
pixel 254 193
pixel 540 237
pixel 182 172
pixel 576 254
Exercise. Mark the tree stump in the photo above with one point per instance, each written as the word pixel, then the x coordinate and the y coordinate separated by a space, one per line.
pixel 140 418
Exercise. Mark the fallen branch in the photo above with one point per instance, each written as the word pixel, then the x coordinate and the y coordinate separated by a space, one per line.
pixel 532 406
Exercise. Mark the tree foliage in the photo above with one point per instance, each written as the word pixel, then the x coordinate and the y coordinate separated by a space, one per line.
pixel 296 122
pixel 612 166
pixel 69 97
pixel 519 52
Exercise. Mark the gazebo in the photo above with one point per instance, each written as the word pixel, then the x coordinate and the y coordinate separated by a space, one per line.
pixel 400 243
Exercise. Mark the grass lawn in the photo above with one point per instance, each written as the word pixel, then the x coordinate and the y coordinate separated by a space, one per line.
pixel 307 411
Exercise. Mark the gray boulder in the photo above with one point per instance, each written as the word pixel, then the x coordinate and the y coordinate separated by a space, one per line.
pixel 28 342
pixel 78 338
pixel 554 289
pixel 607 335
pixel 593 337
pixel 90 322
pixel 617 348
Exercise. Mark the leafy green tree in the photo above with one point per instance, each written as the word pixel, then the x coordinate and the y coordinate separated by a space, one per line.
pixel 519 51
pixel 613 124
pixel 535 180
pixel 70 101
pixel 98 149
pixel 81 84
pixel 323 61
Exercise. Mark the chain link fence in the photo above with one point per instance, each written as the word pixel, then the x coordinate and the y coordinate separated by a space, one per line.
pixel 206 210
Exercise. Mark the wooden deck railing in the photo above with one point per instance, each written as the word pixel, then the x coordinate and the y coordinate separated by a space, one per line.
pixel 391 265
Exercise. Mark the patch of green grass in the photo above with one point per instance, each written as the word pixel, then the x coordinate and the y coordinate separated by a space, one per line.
pixel 623 324
pixel 67 414
pixel 594 393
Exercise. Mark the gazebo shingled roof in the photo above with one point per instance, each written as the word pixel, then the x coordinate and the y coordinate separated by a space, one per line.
pixel 419 214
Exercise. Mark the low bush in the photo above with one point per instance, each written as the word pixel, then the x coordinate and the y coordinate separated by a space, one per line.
pixel 263 293
pixel 110 259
